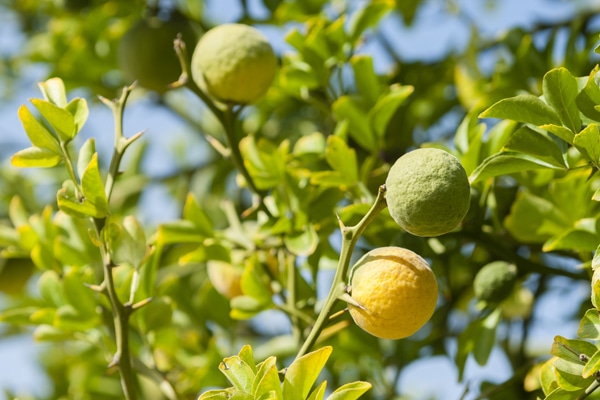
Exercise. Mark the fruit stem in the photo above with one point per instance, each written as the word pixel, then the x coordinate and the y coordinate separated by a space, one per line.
pixel 350 235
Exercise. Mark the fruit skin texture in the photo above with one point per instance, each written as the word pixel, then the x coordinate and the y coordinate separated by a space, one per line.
pixel 397 290
pixel 495 281
pixel 234 63
pixel 146 53
pixel 427 192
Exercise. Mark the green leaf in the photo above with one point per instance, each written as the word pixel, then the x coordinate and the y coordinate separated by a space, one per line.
pixel 350 391
pixel 79 110
pixel 596 195
pixel 589 96
pixel 215 395
pixel 17 212
pixel 77 294
pixel 547 376
pixel 69 318
pixel 93 202
pixel 350 109
pixel 298 77
pixel 157 315
pixel 256 282
pixel 37 133
pixel 536 144
pixel 385 108
pixel 319 392
pixel 127 241
pixel 302 243
pixel 267 379
pixel 507 162
pixel 497 136
pixel 558 130
pixel 560 91
pixel 18 316
pixel 486 336
pixel 589 326
pixel 569 353
pixel 69 202
pixel 265 162
pixel 571 382
pixel 534 220
pixel 195 214
pixel 45 333
pixel 238 373
pixel 246 307
pixel 366 80
pixel 303 372
pixel 342 159
pixel 313 143
pixel 93 188
pixel 179 232
pixel 51 289
pixel 246 355
pixel 523 108
pixel 86 154
pixel 408 10
pixel 477 339
pixel 592 366
pixel 588 143
pixel 59 119
pixel 328 179
pixel 54 91
pixel 573 239
pixel 35 157
pixel 335 34
pixel 368 16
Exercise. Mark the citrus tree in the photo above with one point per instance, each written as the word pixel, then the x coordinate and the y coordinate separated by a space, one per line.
pixel 340 224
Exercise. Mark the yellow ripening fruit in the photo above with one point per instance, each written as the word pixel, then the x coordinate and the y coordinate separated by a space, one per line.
pixel 234 63
pixel 225 278
pixel 395 292
pixel 427 192
pixel 146 53
pixel 495 281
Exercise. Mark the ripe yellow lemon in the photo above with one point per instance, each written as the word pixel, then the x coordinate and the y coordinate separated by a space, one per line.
pixel 234 63
pixel 146 53
pixel 395 291
pixel 427 192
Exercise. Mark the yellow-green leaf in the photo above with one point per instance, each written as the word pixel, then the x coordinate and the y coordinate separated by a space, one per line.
pixel 35 157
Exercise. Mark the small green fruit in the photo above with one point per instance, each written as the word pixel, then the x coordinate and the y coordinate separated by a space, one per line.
pixel 146 53
pixel 234 63
pixel 427 192
pixel 495 281
pixel 226 278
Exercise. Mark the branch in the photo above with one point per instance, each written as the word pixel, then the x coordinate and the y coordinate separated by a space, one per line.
pixel 350 235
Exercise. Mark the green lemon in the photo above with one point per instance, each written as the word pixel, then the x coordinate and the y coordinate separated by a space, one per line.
pixel 146 53
pixel 234 63
pixel 494 281
pixel 427 192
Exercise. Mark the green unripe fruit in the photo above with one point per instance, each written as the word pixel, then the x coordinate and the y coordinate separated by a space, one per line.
pixel 495 281
pixel 234 63
pixel 226 278
pixel 427 192
pixel 146 53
